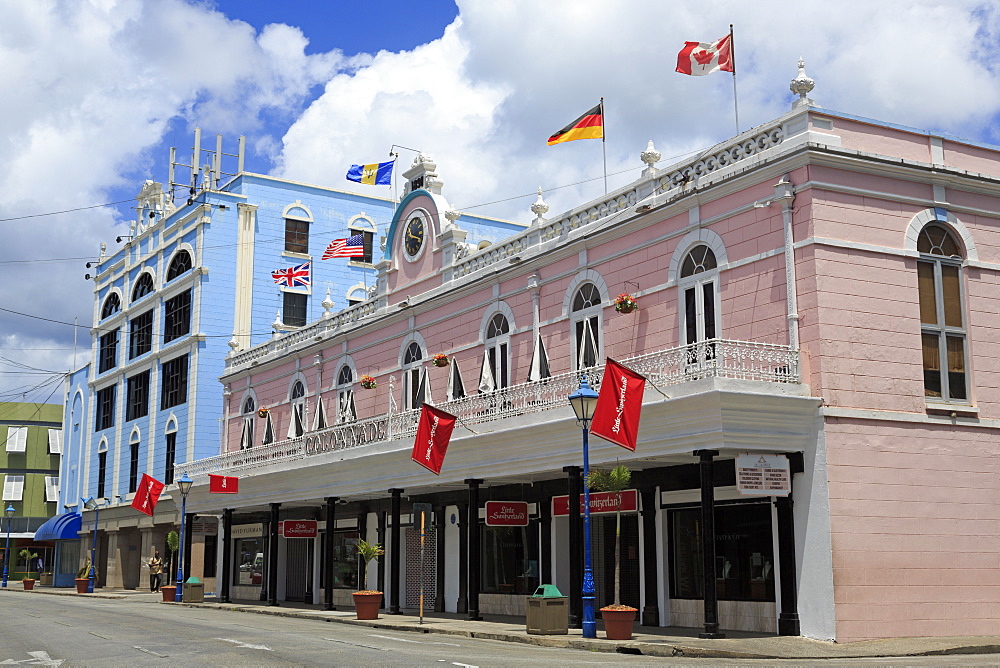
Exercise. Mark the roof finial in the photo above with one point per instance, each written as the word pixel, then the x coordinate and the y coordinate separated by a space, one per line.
pixel 801 85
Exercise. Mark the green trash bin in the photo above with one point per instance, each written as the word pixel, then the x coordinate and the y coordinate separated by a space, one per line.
pixel 547 611
pixel 194 591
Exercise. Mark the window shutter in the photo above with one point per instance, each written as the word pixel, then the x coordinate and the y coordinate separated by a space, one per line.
pixel 55 441
pixel 13 487
pixel 17 439
pixel 51 488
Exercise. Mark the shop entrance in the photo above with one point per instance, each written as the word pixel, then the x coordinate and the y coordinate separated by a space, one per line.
pixel 298 569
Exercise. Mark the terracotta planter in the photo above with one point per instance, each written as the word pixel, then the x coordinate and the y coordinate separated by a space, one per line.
pixel 367 604
pixel 168 593
pixel 28 583
pixel 618 623
pixel 81 585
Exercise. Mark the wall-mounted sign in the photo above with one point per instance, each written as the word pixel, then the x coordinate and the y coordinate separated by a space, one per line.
pixel 202 527
pixel 506 514
pixel 600 502
pixel 763 475
pixel 298 528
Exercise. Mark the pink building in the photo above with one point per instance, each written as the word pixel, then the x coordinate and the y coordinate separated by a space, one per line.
pixel 822 288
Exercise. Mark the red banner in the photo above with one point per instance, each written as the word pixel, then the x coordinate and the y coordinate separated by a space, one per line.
pixel 147 494
pixel 619 404
pixel 298 528
pixel 433 435
pixel 600 502
pixel 223 484
pixel 506 514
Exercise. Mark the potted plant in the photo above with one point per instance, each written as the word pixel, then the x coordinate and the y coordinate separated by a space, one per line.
pixel 440 360
pixel 368 382
pixel 83 577
pixel 367 601
pixel 262 412
pixel 618 618
pixel 28 556
pixel 173 544
pixel 626 303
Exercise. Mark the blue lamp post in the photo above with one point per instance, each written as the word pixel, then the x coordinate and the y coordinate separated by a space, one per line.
pixel 184 485
pixel 583 402
pixel 95 505
pixel 9 514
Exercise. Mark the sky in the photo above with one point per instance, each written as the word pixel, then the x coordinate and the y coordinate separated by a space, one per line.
pixel 97 91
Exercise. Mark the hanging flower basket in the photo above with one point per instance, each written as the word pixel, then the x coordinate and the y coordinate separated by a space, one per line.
pixel 626 303
pixel 368 382
pixel 440 360
pixel 262 412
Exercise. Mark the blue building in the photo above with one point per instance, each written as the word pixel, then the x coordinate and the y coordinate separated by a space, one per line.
pixel 192 283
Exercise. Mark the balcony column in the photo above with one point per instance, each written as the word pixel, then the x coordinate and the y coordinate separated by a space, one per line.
pixel 462 605
pixel 788 619
pixel 395 549
pixel 227 555
pixel 327 554
pixel 650 572
pixel 475 562
pixel 441 546
pixel 707 470
pixel 574 485
pixel 272 554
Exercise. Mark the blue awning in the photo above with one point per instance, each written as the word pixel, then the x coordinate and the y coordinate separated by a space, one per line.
pixel 60 527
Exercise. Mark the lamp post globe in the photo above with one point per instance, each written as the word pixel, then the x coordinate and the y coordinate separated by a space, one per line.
pixel 184 487
pixel 583 401
pixel 9 514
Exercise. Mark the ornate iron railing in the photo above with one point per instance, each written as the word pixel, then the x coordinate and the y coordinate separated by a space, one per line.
pixel 715 358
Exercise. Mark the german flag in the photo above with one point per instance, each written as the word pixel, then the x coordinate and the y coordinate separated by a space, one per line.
pixel 588 126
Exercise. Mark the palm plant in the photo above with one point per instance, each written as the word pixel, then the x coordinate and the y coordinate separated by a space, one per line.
pixel 616 481
pixel 173 544
pixel 368 553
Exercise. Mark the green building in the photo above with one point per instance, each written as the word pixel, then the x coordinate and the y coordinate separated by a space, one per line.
pixel 29 466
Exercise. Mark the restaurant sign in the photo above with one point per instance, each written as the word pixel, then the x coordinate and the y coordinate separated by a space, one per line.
pixel 506 514
pixel 600 502
pixel 298 528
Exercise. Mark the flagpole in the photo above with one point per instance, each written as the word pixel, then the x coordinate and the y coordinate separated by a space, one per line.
pixel 604 146
pixel 732 59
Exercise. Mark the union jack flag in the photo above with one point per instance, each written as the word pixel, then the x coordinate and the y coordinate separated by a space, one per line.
pixel 293 277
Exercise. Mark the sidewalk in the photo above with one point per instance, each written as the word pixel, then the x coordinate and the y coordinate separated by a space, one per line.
pixel 649 641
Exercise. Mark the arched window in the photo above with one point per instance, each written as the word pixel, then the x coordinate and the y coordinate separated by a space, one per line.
pixel 698 286
pixel 346 412
pixel 112 304
pixel 496 371
pixel 170 440
pixel 942 314
pixel 411 375
pixel 133 462
pixel 249 414
pixel 143 286
pixel 586 316
pixel 297 399
pixel 364 227
pixel 180 264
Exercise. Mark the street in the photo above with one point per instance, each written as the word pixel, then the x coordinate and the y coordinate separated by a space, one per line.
pixel 78 631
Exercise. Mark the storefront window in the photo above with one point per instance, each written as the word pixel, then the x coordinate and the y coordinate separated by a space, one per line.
pixel 250 561
pixel 510 559
pixel 344 553
pixel 744 554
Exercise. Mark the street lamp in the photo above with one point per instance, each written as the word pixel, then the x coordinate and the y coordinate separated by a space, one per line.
pixel 95 505
pixel 9 514
pixel 184 485
pixel 583 402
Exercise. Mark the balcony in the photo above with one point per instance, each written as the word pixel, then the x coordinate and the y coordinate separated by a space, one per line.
pixel 717 358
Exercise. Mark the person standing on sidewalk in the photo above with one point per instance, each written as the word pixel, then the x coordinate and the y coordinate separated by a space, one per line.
pixel 155 569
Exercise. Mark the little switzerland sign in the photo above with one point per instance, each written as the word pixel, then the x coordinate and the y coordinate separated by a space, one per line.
pixel 763 475
pixel 298 528
pixel 506 513
pixel 600 502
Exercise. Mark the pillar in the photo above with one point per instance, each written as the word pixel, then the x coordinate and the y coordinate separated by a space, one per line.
pixel 227 555
pixel 706 469
pixel 788 619
pixel 574 485
pixel 650 572
pixel 272 553
pixel 327 558
pixel 396 548
pixel 475 558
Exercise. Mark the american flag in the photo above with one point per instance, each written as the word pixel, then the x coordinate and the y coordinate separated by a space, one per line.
pixel 293 277
pixel 353 246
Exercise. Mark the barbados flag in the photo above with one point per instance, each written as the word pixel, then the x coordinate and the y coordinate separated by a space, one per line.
pixel 378 174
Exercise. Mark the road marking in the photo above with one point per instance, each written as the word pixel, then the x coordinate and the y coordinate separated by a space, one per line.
pixel 356 644
pixel 240 643
pixel 99 635
pixel 149 651
pixel 419 642
pixel 63 623
pixel 465 665
pixel 38 659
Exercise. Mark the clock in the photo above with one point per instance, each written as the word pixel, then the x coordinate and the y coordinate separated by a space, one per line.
pixel 413 238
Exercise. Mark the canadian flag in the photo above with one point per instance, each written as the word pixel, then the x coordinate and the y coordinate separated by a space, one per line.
pixel 699 58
